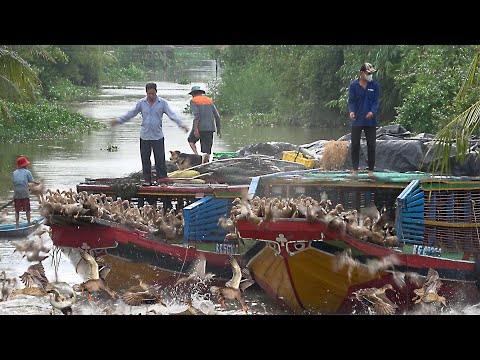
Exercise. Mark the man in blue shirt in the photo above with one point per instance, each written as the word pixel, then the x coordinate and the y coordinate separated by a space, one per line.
pixel 152 108
pixel 363 96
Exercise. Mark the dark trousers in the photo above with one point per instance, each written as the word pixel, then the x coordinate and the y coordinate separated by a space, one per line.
pixel 371 136
pixel 206 140
pixel 158 147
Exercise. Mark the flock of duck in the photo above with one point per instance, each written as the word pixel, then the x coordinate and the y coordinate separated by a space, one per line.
pixel 371 225
pixel 168 225
pixel 375 298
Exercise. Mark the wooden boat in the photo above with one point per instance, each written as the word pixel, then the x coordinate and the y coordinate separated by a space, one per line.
pixel 24 229
pixel 202 201
pixel 435 222
pixel 202 236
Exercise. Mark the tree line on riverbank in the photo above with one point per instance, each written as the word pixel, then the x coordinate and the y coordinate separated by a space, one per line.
pixel 424 88
pixel 307 85
pixel 34 77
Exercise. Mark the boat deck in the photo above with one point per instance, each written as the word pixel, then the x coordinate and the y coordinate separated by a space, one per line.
pixel 175 194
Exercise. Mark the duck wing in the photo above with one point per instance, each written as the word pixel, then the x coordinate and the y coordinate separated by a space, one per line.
pixel 103 268
pixel 248 281
pixel 373 297
pixel 141 298
pixel 92 263
pixel 432 282
pixel 234 282
pixel 432 277
pixel 34 276
pixel 384 306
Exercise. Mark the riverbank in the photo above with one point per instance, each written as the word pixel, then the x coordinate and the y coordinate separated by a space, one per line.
pixel 27 122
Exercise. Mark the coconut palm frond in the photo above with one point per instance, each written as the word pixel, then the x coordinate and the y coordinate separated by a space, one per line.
pixel 110 54
pixel 38 51
pixel 469 80
pixel 9 90
pixel 18 71
pixel 4 112
pixel 459 132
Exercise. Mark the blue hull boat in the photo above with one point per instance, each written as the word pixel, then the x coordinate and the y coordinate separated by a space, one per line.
pixel 10 230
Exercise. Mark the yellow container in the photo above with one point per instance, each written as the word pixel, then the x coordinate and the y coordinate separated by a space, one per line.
pixel 292 156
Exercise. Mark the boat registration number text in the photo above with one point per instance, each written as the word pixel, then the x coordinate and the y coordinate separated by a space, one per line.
pixel 226 248
pixel 427 250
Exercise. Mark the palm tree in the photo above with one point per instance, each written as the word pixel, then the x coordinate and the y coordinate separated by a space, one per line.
pixel 460 130
pixel 18 81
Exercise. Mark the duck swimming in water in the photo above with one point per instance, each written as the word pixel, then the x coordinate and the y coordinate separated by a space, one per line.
pixel 428 292
pixel 377 299
pixel 62 297
pixel 231 290
pixel 94 282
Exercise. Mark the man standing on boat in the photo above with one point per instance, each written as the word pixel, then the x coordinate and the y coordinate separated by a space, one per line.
pixel 205 120
pixel 152 108
pixel 21 194
pixel 363 96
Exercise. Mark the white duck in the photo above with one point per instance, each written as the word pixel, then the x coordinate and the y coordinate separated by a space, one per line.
pixel 62 297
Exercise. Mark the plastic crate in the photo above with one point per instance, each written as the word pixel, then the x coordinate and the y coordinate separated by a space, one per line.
pixel 201 219
pixel 299 158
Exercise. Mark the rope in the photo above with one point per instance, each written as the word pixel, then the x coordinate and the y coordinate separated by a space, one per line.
pixel 56 260
pixel 183 263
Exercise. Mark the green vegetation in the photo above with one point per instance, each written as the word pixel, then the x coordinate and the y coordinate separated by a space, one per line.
pixel 64 90
pixel 307 85
pixel 422 87
pixel 22 122
pixel 34 77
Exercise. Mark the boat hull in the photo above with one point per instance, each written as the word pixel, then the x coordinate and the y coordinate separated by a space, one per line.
pixel 10 230
pixel 137 246
pixel 304 273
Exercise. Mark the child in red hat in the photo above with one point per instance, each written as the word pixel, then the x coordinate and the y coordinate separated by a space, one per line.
pixel 21 194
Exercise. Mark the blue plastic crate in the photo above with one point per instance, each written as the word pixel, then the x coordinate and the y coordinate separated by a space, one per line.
pixel 201 219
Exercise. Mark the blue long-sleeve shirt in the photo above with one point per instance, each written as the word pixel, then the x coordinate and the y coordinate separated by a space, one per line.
pixel 152 116
pixel 361 101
